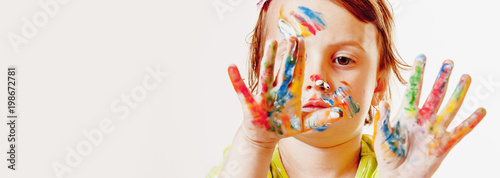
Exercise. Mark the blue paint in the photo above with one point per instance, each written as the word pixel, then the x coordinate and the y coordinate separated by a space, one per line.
pixel 395 139
pixel 295 121
pixel 321 128
pixel 329 101
pixel 283 94
pixel 314 16
pixel 312 122
pixel 421 57
pixel 353 107
pixel 444 71
pixel 338 111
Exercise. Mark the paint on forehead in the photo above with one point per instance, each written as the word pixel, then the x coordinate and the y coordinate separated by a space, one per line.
pixel 314 16
pixel 303 24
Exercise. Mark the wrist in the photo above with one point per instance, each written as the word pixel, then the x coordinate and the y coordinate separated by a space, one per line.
pixel 250 139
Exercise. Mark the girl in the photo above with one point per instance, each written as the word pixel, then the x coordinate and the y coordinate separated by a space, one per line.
pixel 319 68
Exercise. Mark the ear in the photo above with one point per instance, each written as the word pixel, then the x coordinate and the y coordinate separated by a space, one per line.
pixel 379 91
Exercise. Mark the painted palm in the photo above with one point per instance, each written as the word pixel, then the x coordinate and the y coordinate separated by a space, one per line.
pixel 417 142
pixel 277 107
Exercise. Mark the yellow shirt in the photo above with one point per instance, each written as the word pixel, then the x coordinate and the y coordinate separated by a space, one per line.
pixel 367 164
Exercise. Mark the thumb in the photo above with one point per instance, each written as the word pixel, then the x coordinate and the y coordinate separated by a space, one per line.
pixel 384 113
pixel 320 119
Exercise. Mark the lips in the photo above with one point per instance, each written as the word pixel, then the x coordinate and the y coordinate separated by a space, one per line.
pixel 315 104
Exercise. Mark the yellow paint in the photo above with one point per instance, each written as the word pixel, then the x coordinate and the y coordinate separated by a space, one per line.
pixel 299 29
pixel 451 108
pixel 375 126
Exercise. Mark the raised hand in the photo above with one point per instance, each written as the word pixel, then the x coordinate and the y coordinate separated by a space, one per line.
pixel 275 112
pixel 418 142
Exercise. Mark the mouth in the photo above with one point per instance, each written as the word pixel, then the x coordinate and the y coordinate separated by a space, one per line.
pixel 314 105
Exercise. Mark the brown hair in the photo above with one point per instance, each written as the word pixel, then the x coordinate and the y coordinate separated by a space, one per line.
pixel 368 11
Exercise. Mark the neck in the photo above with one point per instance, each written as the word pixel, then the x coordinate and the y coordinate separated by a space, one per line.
pixel 304 160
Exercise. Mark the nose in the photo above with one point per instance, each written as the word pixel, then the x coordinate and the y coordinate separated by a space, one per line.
pixel 316 78
pixel 319 83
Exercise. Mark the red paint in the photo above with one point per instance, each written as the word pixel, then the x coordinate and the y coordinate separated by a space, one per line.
pixel 461 130
pixel 345 83
pixel 315 77
pixel 263 86
pixel 432 102
pixel 304 23
pixel 259 114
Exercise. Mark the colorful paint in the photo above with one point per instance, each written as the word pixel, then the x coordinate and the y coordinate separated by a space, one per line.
pixel 460 131
pixel 280 108
pixel 395 138
pixel 316 79
pixel 433 101
pixel 288 93
pixel 341 104
pixel 427 130
pixel 302 24
pixel 320 120
pixel 412 92
pixel 260 115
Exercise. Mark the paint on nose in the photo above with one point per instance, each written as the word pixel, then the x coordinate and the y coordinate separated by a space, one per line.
pixel 319 82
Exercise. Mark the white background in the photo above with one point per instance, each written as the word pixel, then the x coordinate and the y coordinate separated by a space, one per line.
pixel 90 53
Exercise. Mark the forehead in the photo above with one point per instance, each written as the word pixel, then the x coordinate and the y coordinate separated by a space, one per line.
pixel 341 25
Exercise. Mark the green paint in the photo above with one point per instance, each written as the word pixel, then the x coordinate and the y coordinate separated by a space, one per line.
pixel 414 83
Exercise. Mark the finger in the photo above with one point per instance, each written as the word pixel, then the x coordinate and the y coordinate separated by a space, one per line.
pixel 461 131
pixel 320 119
pixel 298 74
pixel 239 85
pixel 297 81
pixel 410 105
pixel 293 124
pixel 450 110
pixel 383 111
pixel 260 117
pixel 267 74
pixel 290 61
pixel 438 92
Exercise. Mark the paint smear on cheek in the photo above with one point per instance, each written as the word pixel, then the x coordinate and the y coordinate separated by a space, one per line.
pixel 341 101
pixel 304 23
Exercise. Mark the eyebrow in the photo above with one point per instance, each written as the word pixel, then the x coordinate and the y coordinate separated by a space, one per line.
pixel 348 43
pixel 340 43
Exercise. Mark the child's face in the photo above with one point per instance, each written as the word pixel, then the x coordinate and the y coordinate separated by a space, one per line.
pixel 344 51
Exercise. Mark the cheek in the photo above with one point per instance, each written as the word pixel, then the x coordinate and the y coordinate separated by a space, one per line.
pixel 363 85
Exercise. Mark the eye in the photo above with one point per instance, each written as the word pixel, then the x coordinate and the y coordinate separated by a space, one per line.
pixel 342 60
